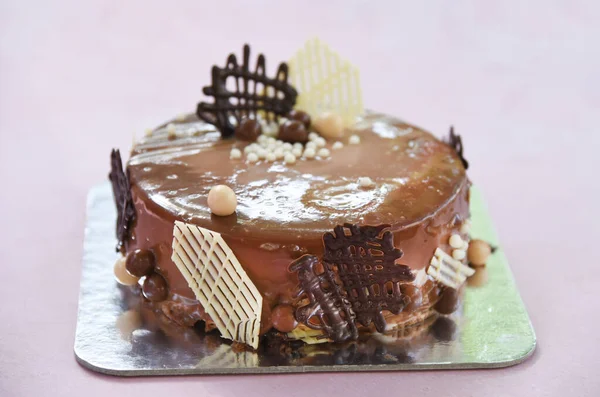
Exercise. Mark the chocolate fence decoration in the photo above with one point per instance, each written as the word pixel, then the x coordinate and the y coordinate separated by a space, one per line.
pixel 327 309
pixel 253 92
pixel 455 141
pixel 123 200
pixel 359 280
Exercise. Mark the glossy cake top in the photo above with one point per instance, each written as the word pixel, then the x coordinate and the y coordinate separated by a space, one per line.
pixel 413 174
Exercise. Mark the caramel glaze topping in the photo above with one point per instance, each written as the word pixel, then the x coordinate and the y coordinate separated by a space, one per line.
pixel 420 189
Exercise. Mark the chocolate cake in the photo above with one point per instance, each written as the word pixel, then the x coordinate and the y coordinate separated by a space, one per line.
pixel 253 217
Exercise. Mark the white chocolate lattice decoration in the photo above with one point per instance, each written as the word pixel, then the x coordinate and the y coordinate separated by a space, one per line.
pixel 447 270
pixel 219 282
pixel 325 82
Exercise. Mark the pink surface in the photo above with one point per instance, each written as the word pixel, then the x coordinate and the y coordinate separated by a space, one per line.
pixel 520 81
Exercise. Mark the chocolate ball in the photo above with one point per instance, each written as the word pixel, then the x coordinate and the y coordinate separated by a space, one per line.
pixel 283 318
pixel 293 131
pixel 414 295
pixel 248 130
pixel 448 302
pixel 155 288
pixel 300 116
pixel 140 263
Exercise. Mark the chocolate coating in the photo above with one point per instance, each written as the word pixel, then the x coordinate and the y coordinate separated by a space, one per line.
pixel 293 131
pixel 284 210
pixel 283 318
pixel 248 130
pixel 155 288
pixel 448 302
pixel 300 116
pixel 140 262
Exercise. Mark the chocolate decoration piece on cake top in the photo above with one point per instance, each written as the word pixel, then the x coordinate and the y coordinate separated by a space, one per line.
pixel 122 194
pixel 455 142
pixel 277 97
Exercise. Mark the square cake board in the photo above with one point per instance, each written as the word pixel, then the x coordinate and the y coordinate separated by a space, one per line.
pixel 493 329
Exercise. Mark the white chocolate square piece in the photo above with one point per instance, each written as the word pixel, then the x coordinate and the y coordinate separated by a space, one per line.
pixel 219 282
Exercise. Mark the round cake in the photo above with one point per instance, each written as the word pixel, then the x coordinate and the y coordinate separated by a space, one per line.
pixel 330 236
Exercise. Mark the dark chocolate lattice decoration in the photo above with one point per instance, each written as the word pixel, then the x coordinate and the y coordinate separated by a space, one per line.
pixel 358 281
pixel 364 258
pixel 455 142
pixel 123 200
pixel 327 309
pixel 253 92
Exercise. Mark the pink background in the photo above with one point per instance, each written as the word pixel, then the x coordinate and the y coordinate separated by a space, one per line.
pixel 519 80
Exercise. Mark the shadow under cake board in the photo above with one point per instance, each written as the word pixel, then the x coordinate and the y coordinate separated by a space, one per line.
pixel 492 330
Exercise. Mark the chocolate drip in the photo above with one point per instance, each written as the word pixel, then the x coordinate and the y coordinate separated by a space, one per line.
pixel 122 193
pixel 253 91
pixel 327 305
pixel 364 258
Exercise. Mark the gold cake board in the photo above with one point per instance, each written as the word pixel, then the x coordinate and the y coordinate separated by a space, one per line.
pixel 493 329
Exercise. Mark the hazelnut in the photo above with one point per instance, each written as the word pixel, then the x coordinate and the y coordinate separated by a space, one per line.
pixel 248 130
pixel 140 263
pixel 300 116
pixel 478 253
pixel 448 302
pixel 293 131
pixel 222 200
pixel 122 275
pixel 329 125
pixel 283 318
pixel 155 288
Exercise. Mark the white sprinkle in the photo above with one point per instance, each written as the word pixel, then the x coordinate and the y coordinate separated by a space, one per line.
pixel 271 140
pixel 337 145
pixel 250 148
pixel 270 147
pixel 282 120
pixel 310 153
pixel 365 181
pixel 261 153
pixel 297 152
pixel 270 132
pixel 298 145
pixel 235 154
pixel 465 245
pixel 455 241
pixel 459 255
pixel 181 117
pixel 262 139
pixel 289 158
pixel 278 153
pixel 466 227
pixel 148 131
pixel 320 142
pixel 271 157
pixel 310 145
pixel 354 140
pixel 252 157
pixel 287 146
pixel 312 136
pixel 324 152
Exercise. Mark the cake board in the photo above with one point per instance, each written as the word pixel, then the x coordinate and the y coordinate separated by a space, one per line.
pixel 492 330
